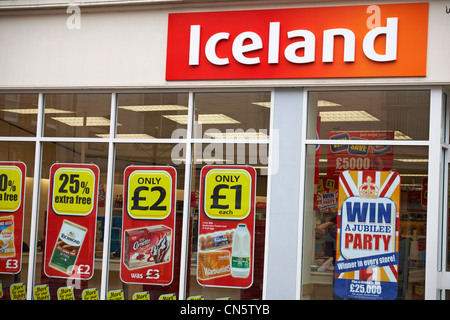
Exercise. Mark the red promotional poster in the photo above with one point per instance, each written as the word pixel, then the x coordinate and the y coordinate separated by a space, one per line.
pixel 343 157
pixel 148 225
pixel 226 226
pixel 12 195
pixel 71 221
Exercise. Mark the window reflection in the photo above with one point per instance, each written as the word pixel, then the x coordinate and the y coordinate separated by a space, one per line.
pixel 77 115
pixel 232 115
pixel 404 113
pixel 18 115
pixel 150 116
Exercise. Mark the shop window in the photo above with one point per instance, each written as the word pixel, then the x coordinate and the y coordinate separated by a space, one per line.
pixel 402 114
pixel 150 116
pixel 77 115
pixel 340 245
pixel 16 158
pixel 18 115
pixel 149 261
pixel 219 194
pixel 71 214
pixel 211 250
pixel 70 225
pixel 232 115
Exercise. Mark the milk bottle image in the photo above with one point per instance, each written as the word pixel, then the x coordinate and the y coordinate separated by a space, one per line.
pixel 240 252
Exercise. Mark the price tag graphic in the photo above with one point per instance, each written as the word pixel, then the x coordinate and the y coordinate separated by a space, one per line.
pixel 227 193
pixel 73 191
pixel 149 194
pixel 71 221
pixel 12 194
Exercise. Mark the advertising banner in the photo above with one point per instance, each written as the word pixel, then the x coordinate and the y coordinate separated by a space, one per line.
pixel 71 221
pixel 326 198
pixel 148 225
pixel 367 243
pixel 226 226
pixel 12 196
pixel 322 42
pixel 343 157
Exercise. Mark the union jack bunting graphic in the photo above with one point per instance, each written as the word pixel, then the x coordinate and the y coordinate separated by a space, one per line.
pixel 367 243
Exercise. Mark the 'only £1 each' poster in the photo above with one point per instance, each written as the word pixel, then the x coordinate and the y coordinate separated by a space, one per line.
pixel 226 226
pixel 367 244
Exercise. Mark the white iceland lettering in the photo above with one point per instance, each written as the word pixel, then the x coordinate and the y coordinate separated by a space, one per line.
pixel 251 42
pixel 390 31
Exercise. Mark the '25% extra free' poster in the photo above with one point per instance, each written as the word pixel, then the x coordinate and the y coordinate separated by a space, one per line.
pixel 71 221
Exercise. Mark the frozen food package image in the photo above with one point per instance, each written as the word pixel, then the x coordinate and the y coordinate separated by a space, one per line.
pixel 213 264
pixel 67 247
pixel 147 246
pixel 7 237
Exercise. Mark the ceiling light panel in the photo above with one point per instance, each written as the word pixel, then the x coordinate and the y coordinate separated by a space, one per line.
pixel 145 108
pixel 204 119
pixel 262 104
pixel 238 135
pixel 346 116
pixel 127 135
pixel 35 111
pixel 81 121
pixel 325 103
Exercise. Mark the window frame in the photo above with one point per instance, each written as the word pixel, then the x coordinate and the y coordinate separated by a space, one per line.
pixel 435 164
pixel 39 139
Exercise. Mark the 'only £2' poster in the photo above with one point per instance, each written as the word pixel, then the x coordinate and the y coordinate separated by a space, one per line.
pixel 148 225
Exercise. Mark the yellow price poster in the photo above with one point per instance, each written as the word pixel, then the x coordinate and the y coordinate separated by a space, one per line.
pixel 74 190
pixel 228 193
pixel 10 188
pixel 141 296
pixel 150 194
pixel 168 296
pixel 65 293
pixel 115 295
pixel 41 292
pixel 90 294
pixel 17 291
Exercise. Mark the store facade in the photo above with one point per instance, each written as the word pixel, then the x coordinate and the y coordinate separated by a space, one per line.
pixel 157 151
